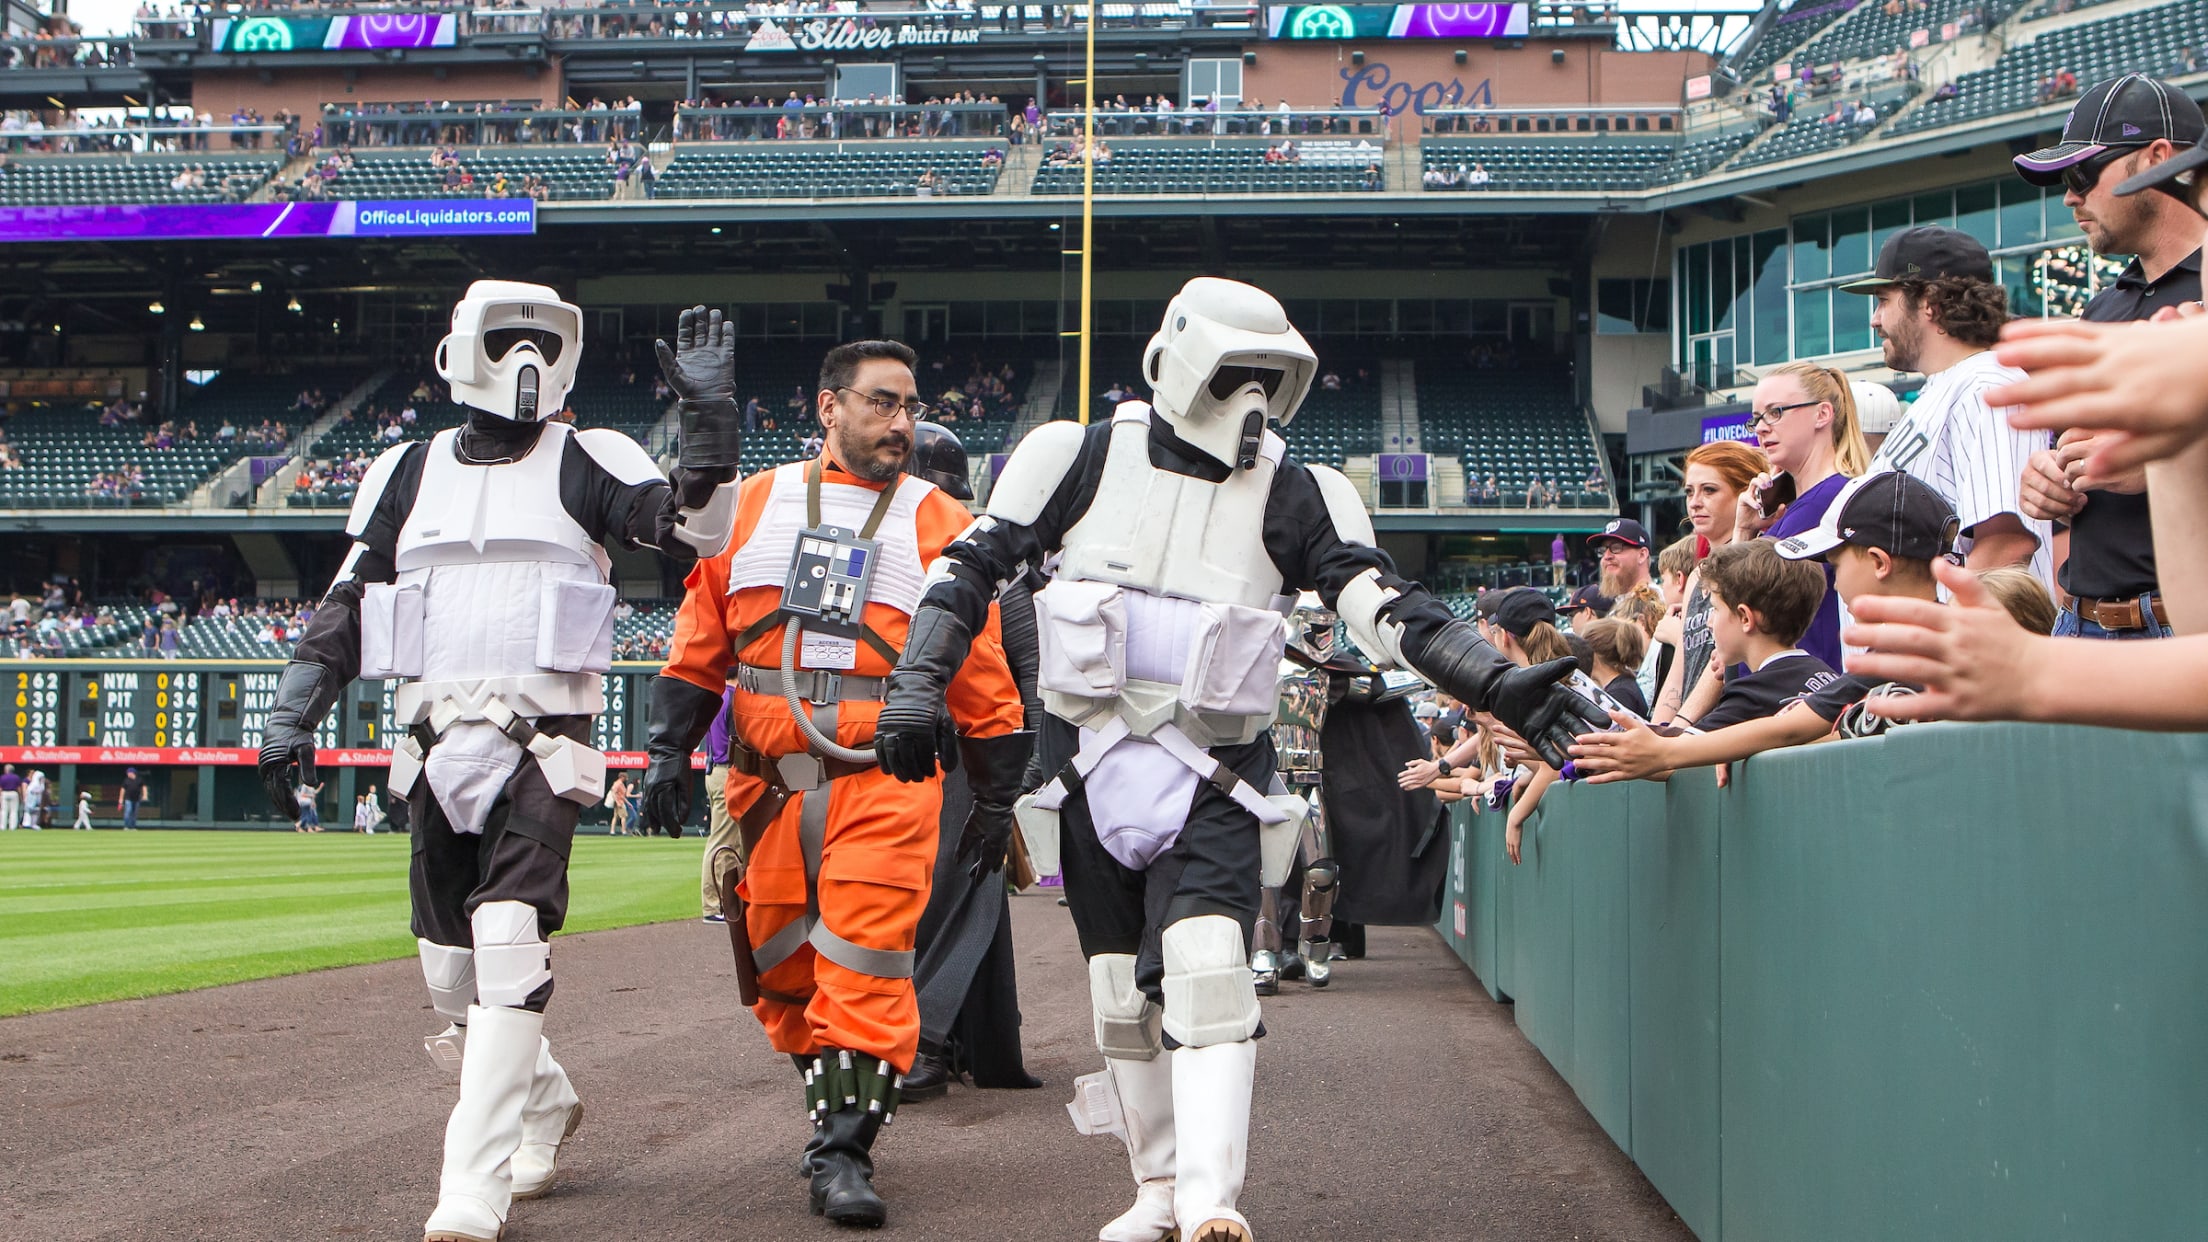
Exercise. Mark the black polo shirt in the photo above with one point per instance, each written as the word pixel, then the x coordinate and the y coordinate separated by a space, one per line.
pixel 2111 539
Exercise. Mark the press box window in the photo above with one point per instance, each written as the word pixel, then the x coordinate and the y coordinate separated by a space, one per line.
pixel 1630 307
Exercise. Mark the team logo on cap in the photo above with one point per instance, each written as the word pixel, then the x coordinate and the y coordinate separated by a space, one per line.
pixel 1612 528
pixel 2131 130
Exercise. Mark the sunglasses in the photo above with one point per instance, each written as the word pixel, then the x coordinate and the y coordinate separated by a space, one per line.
pixel 2080 178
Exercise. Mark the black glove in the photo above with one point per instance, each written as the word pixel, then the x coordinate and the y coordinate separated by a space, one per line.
pixel 701 368
pixel 913 731
pixel 680 716
pixel 1541 710
pixel 1528 700
pixel 994 766
pixel 304 695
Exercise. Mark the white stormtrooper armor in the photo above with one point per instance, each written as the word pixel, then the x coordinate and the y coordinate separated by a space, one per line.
pixel 479 580
pixel 1179 531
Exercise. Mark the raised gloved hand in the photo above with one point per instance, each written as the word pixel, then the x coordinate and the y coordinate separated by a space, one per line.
pixel 701 368
pixel 303 696
pixel 994 767
pixel 680 716
pixel 913 733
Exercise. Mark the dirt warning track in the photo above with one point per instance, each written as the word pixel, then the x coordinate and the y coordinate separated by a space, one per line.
pixel 1398 1104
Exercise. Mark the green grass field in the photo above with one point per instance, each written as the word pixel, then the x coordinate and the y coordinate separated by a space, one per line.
pixel 100 916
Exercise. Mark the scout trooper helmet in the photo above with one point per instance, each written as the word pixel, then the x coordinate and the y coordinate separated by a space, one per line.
pixel 1225 360
pixel 513 350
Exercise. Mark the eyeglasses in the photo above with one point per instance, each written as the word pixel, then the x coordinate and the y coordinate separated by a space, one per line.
pixel 2080 178
pixel 1772 416
pixel 887 407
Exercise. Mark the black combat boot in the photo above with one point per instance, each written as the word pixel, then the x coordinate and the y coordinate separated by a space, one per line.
pixel 930 1077
pixel 854 1095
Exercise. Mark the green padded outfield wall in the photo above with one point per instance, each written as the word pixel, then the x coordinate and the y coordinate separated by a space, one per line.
pixel 1951 984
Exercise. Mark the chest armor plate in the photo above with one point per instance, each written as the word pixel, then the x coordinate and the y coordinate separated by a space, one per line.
pixel 1174 535
pixel 470 514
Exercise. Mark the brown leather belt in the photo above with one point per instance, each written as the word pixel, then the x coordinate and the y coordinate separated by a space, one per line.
pixel 2121 614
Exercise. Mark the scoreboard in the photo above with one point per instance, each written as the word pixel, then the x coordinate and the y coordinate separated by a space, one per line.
pixel 166 705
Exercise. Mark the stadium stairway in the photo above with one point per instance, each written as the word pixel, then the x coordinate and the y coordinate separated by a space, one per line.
pixel 1017 179
pixel 278 486
pixel 1399 430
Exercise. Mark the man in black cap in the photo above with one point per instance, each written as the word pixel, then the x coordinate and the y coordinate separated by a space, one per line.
pixel 1588 603
pixel 2120 129
pixel 1623 547
pixel 1940 312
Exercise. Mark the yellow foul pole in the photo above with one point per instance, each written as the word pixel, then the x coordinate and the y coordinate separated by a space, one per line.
pixel 1088 206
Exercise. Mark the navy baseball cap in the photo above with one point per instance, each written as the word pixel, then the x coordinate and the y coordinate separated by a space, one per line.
pixel 2120 113
pixel 1897 512
pixel 1590 596
pixel 1623 530
pixel 1520 609
pixel 1926 252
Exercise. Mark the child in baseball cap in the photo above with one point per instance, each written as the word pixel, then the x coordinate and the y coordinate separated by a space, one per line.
pixel 1881 535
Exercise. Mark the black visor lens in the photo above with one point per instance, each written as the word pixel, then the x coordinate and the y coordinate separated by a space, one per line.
pixel 499 342
pixel 1227 381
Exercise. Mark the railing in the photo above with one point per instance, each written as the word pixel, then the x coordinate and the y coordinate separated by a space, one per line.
pixel 1119 122
pixel 421 127
pixel 841 121
pixel 733 19
pixel 1505 121
pixel 137 139
pixel 69 52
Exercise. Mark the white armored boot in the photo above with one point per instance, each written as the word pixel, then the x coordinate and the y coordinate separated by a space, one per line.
pixel 1145 1090
pixel 1211 1128
pixel 553 1112
pixel 476 1187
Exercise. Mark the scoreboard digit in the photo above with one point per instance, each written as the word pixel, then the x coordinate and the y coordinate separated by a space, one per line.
pixel 610 730
pixel 136 708
pixel 34 713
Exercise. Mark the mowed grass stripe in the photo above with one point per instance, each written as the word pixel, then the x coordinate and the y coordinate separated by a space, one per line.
pixel 109 916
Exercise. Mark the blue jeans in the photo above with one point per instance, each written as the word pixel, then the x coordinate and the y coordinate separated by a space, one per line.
pixel 2068 624
pixel 130 815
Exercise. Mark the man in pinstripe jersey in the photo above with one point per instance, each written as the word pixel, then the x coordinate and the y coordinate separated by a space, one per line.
pixel 1939 312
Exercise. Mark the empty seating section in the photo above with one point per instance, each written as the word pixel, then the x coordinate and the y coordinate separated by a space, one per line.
pixel 607 402
pixel 857 170
pixel 64 449
pixel 1796 26
pixel 1335 426
pixel 2056 8
pixel 1699 155
pixel 1560 164
pixel 1184 168
pixel 1518 426
pixel 2144 40
pixel 571 174
pixel 1812 135
pixel 33 181
pixel 1871 31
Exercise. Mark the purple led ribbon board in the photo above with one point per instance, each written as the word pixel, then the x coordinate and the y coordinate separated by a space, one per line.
pixel 1458 21
pixel 345 218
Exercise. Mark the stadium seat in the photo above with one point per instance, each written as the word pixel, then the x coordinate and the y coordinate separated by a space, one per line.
pixel 2140 40
pixel 58 180
pixel 855 170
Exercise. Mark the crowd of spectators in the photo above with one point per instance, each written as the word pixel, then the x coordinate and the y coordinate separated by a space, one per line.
pixel 1459 177
pixel 479 123
pixel 963 114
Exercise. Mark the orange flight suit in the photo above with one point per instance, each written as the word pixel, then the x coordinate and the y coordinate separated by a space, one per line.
pixel 879 851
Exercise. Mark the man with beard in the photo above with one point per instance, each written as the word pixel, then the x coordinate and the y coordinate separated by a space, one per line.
pixel 1623 546
pixel 1940 312
pixel 803 616
pixel 2120 129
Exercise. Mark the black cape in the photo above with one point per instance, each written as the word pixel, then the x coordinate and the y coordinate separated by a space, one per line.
pixel 1392 844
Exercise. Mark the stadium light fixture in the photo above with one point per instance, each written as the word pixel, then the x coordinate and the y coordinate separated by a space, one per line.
pixel 1356 58
pixel 716 230
pixel 155 308
pixel 256 286
pixel 197 324
pixel 1461 56
pixel 293 305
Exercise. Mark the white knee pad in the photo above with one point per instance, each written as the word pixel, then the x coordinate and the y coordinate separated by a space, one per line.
pixel 1126 1021
pixel 510 961
pixel 450 974
pixel 1210 994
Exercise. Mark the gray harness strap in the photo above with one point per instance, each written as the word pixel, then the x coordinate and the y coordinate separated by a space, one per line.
pixel 812 838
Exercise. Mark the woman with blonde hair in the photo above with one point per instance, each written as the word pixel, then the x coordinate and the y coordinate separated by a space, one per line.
pixel 1717 474
pixel 1804 417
